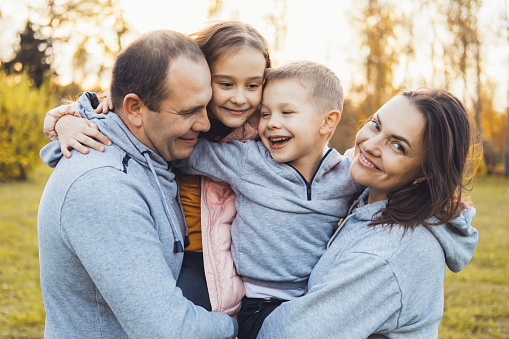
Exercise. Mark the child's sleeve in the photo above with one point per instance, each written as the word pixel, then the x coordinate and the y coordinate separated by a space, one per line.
pixel 52 117
pixel 219 161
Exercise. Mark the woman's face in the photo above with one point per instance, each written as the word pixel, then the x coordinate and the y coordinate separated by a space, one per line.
pixel 237 81
pixel 388 149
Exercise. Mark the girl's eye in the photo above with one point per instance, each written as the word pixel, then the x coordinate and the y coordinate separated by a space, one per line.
pixel 253 86
pixel 264 114
pixel 226 84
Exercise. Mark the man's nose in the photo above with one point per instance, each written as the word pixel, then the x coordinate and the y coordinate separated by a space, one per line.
pixel 202 123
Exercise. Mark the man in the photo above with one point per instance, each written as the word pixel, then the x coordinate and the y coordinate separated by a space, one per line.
pixel 111 228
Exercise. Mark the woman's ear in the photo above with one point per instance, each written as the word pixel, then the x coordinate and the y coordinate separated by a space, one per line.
pixel 330 122
pixel 133 109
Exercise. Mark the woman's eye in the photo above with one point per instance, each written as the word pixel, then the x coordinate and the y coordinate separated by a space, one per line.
pixel 375 125
pixel 399 147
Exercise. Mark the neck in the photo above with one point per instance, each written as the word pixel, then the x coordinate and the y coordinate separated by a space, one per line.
pixel 217 130
pixel 307 167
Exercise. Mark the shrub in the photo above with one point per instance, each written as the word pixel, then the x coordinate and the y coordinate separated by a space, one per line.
pixel 22 108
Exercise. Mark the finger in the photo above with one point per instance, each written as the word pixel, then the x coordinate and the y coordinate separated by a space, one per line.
pixel 102 107
pixel 96 134
pixel 109 101
pixel 91 143
pixel 78 146
pixel 65 151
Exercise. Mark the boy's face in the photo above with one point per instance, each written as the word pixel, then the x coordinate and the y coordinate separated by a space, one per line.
pixel 290 125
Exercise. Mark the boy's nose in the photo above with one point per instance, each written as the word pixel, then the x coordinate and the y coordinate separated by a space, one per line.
pixel 273 123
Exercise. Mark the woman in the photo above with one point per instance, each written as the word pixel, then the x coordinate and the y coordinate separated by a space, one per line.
pixel 383 272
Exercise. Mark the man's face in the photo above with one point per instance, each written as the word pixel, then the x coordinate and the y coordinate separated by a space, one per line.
pixel 174 130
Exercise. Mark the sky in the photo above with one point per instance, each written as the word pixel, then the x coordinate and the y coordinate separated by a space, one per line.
pixel 318 30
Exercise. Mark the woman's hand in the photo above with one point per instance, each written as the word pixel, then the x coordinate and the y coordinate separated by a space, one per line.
pixel 106 104
pixel 77 133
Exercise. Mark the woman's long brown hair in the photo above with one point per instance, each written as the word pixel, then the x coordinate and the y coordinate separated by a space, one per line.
pixel 447 144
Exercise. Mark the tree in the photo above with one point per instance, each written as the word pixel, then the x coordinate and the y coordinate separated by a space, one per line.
pixel 215 7
pixel 85 25
pixel 463 54
pixel 377 25
pixel 506 153
pixel 32 56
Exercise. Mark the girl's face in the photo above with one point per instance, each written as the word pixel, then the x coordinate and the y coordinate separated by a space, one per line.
pixel 388 149
pixel 237 80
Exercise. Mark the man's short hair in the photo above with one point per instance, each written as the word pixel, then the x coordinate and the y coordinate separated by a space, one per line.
pixel 322 84
pixel 142 67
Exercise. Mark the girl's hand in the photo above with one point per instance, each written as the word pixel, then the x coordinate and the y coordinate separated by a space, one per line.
pixel 76 132
pixel 106 104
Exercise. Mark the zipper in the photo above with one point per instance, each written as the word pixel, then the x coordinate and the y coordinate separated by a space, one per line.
pixel 308 184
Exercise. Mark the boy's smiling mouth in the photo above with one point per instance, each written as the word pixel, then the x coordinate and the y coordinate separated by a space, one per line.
pixel 278 142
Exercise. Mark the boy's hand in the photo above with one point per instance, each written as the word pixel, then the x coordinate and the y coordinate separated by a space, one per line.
pixel 106 104
pixel 76 132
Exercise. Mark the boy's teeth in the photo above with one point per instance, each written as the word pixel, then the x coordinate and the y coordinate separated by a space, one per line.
pixel 279 139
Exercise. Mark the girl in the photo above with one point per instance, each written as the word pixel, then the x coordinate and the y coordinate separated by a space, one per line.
pixel 383 272
pixel 237 55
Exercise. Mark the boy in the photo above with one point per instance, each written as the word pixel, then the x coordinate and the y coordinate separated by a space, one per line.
pixel 291 189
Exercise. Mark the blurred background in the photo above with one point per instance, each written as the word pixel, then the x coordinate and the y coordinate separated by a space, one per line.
pixel 52 50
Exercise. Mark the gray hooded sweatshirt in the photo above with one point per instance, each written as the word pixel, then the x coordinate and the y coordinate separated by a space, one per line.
pixel 108 224
pixel 283 222
pixel 374 282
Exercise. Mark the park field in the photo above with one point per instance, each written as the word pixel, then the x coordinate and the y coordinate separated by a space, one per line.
pixel 476 299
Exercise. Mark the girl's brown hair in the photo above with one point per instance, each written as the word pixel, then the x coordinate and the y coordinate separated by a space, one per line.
pixel 220 38
pixel 447 143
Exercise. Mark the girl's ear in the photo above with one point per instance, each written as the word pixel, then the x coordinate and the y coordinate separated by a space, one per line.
pixel 133 109
pixel 330 122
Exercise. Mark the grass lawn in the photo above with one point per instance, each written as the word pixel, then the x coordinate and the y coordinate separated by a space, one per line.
pixel 476 299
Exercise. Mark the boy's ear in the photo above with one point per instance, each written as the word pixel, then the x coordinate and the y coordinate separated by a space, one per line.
pixel 330 122
pixel 133 108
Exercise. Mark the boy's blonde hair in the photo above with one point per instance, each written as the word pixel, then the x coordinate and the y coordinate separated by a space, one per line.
pixel 323 86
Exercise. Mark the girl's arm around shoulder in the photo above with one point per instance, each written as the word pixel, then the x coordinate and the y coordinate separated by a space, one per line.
pixel 65 124
pixel 355 296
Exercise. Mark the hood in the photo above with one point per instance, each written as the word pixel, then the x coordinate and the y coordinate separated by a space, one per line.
pixel 114 128
pixel 458 237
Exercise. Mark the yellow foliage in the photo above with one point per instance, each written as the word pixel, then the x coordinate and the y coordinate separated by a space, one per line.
pixel 22 109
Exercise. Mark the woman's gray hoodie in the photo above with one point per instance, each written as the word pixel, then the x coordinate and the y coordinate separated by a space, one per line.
pixel 374 282
pixel 108 223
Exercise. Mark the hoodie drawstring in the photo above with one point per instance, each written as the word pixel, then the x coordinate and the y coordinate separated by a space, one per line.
pixel 177 245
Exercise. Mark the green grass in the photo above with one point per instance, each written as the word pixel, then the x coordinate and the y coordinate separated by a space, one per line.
pixel 21 309
pixel 476 299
